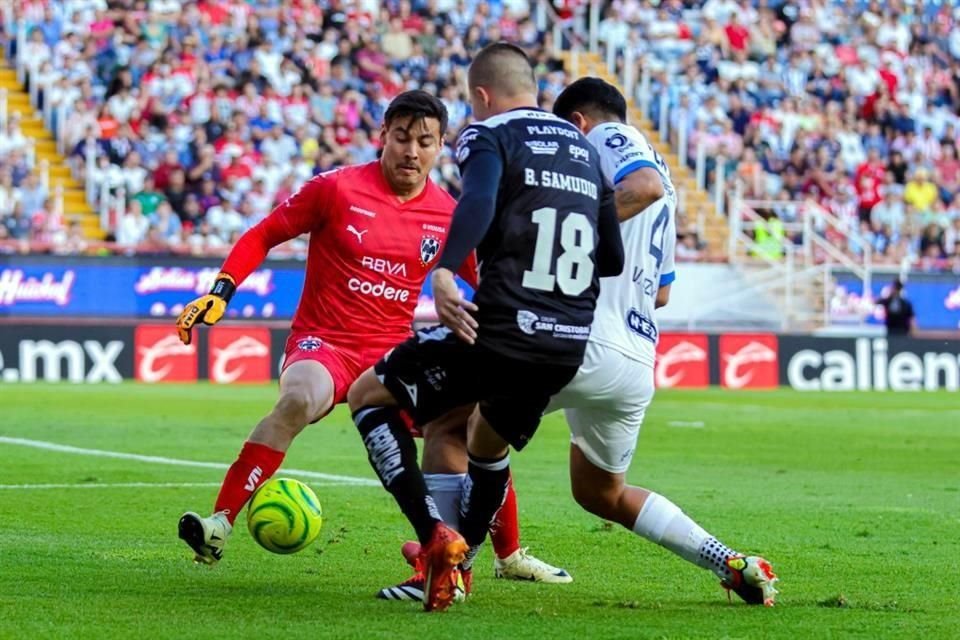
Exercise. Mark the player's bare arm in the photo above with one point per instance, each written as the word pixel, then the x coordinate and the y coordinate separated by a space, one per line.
pixel 637 191
pixel 663 296
pixel 631 166
pixel 610 243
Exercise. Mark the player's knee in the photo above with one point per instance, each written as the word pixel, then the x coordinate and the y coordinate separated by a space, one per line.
pixel 295 409
pixel 358 393
pixel 368 391
pixel 583 496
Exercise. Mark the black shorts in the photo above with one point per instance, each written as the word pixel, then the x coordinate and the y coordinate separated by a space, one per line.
pixel 434 372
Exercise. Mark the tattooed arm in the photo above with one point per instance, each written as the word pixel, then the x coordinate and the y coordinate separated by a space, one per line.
pixel 636 191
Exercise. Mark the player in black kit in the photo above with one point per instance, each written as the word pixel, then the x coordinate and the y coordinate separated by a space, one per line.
pixel 545 229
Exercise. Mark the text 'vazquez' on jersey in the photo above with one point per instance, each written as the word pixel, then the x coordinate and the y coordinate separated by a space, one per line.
pixel 538 281
pixel 624 318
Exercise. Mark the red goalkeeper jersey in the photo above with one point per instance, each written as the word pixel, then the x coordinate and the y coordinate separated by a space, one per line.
pixel 369 253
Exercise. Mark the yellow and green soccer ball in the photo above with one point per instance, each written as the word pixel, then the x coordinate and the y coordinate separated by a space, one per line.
pixel 284 515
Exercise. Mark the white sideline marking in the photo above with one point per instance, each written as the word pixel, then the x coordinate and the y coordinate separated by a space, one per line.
pixel 140 485
pixel 111 485
pixel 64 448
pixel 687 424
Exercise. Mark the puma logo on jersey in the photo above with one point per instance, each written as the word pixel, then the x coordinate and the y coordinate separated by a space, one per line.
pixel 253 479
pixel 352 229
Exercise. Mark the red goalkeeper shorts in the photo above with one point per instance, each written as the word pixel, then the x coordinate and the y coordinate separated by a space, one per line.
pixel 344 364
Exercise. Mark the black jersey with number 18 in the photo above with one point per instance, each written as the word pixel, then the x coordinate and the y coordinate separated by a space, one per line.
pixel 538 277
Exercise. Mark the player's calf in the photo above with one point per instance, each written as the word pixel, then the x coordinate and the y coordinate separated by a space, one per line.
pixel 393 455
pixel 654 517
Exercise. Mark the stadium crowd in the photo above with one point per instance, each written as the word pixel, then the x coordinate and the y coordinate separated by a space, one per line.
pixel 205 114
pixel 852 103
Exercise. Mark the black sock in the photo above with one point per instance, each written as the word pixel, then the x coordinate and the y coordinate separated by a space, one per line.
pixel 484 494
pixel 393 455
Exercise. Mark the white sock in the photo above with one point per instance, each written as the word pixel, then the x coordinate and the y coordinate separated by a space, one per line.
pixel 446 489
pixel 663 522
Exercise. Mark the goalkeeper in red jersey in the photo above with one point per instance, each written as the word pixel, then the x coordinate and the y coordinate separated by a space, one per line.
pixel 375 232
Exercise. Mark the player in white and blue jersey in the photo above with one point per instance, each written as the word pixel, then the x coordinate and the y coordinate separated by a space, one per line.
pixel 606 401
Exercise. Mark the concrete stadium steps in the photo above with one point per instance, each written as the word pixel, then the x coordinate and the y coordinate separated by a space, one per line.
pixel 75 204
pixel 806 313
pixel 693 199
pixel 17 102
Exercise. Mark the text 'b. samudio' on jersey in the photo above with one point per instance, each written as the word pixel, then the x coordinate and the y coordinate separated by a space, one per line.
pixel 538 281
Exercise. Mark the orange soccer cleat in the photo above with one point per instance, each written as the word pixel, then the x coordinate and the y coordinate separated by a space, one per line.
pixel 440 560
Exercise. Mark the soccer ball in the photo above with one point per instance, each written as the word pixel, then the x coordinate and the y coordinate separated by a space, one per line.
pixel 284 516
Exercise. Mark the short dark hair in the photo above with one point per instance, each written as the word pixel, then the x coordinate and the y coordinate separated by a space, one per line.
pixel 591 95
pixel 416 104
pixel 503 67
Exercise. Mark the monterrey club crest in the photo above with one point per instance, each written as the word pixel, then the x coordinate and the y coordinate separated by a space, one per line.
pixel 429 248
pixel 310 344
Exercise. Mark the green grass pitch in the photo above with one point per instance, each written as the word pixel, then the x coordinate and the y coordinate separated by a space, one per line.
pixel 855 498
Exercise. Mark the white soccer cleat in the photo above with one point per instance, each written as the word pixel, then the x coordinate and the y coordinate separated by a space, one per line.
pixel 206 536
pixel 520 565
pixel 753 579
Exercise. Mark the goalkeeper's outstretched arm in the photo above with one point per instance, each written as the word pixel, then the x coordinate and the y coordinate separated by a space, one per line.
pixel 301 213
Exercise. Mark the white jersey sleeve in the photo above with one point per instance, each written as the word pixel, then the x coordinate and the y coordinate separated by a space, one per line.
pixel 623 150
pixel 624 318
pixel 669 249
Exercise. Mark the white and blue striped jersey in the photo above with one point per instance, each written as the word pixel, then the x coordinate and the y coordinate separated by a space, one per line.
pixel 624 318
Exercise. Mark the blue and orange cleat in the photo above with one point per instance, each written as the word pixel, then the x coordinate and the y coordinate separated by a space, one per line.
pixel 753 580
pixel 440 560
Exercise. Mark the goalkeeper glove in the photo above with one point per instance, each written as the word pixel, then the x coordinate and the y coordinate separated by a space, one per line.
pixel 208 309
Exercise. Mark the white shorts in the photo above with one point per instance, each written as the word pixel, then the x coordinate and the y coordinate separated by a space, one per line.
pixel 605 404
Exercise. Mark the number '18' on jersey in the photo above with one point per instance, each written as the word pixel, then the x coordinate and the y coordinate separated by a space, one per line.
pixel 538 278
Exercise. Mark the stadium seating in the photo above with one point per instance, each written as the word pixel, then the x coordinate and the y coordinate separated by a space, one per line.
pixel 795 99
pixel 241 101
pixel 222 109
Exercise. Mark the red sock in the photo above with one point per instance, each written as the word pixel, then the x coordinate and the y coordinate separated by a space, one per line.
pixel 254 466
pixel 505 530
